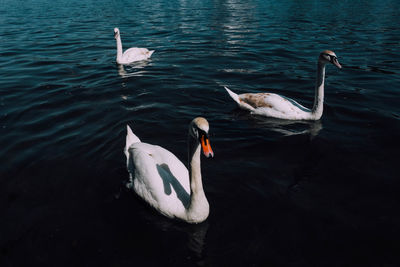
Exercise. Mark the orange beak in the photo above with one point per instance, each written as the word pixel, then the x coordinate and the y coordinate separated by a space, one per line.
pixel 205 145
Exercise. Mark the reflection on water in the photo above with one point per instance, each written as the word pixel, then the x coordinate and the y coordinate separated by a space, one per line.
pixel 194 234
pixel 65 105
pixel 314 127
pixel 283 127
pixel 134 69
pixel 196 238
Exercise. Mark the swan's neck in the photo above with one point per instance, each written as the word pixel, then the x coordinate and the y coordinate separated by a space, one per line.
pixel 119 49
pixel 198 208
pixel 319 92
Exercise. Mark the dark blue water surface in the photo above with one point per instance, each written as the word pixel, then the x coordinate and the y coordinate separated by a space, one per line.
pixel 281 193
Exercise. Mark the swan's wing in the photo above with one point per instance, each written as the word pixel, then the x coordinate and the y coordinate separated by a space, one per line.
pixel 137 50
pixel 273 105
pixel 237 99
pixel 160 178
pixel 294 103
pixel 136 54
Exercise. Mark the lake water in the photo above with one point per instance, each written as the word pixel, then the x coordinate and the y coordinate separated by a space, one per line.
pixel 281 193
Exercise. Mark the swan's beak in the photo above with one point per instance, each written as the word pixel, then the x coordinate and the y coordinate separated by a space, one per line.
pixel 205 145
pixel 336 63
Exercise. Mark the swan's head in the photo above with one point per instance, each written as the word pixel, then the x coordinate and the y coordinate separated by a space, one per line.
pixel 329 56
pixel 198 130
pixel 116 33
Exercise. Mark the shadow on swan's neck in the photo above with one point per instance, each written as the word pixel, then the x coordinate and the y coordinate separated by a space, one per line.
pixel 194 165
pixel 198 209
pixel 318 107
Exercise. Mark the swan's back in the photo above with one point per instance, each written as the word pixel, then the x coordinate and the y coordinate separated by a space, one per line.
pixel 273 105
pixel 136 54
pixel 160 178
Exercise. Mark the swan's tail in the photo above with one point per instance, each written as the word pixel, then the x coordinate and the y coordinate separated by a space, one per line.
pixel 131 138
pixel 233 95
pixel 241 104
pixel 151 52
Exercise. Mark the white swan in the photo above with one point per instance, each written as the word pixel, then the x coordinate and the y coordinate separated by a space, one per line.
pixel 132 54
pixel 163 181
pixel 277 106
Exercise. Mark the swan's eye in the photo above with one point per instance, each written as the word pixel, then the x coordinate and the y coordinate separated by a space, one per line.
pixel 194 131
pixel 332 58
pixel 202 133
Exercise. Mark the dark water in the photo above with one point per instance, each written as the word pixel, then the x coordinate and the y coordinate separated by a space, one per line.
pixel 322 193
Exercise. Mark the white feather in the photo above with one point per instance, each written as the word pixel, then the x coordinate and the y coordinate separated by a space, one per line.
pixel 163 181
pixel 132 54
pixel 277 106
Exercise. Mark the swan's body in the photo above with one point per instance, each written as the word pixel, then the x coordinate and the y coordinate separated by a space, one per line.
pixel 277 106
pixel 132 54
pixel 163 181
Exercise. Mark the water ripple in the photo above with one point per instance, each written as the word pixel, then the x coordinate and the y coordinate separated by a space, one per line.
pixel 65 103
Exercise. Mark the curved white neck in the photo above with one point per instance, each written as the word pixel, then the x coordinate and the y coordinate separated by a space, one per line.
pixel 319 92
pixel 198 208
pixel 119 48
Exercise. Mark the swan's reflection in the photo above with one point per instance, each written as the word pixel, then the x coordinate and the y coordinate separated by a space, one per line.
pixel 136 69
pixel 195 233
pixel 284 127
pixel 196 238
